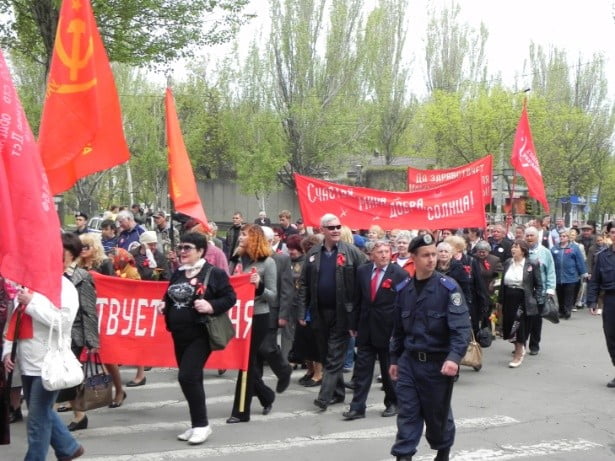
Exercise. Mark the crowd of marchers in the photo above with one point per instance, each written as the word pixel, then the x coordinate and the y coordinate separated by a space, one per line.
pixel 328 299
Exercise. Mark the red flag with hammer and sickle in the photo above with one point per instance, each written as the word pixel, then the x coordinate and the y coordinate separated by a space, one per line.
pixel 81 127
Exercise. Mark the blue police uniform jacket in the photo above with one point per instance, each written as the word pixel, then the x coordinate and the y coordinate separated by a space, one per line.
pixel 437 321
pixel 603 276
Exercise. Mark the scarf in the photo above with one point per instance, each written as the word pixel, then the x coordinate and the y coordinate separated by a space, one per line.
pixel 192 269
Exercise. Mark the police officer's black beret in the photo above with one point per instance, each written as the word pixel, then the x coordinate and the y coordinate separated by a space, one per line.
pixel 81 214
pixel 420 241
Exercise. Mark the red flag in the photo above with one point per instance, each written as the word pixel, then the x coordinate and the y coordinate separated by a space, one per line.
pixel 525 161
pixel 30 244
pixel 182 186
pixel 81 126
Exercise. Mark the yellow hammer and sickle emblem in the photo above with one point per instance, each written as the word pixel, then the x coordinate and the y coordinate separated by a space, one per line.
pixel 75 61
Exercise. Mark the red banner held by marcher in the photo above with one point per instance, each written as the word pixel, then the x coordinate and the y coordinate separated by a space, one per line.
pixel 30 244
pixel 426 179
pixel 458 203
pixel 525 162
pixel 132 332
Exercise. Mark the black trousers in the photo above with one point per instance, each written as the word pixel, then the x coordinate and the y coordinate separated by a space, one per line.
pixel 364 374
pixel 254 384
pixel 566 296
pixel 333 344
pixel 535 330
pixel 608 323
pixel 270 352
pixel 191 353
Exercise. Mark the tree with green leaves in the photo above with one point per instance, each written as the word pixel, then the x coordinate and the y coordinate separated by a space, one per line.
pixel 386 75
pixel 455 52
pixel 136 32
pixel 316 94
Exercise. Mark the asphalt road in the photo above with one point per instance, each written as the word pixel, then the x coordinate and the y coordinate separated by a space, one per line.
pixel 554 407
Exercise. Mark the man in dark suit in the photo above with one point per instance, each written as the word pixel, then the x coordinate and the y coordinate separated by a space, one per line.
pixel 371 322
pixel 500 245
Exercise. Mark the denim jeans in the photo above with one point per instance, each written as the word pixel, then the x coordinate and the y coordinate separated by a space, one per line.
pixel 44 425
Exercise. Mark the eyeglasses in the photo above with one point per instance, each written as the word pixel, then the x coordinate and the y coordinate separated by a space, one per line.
pixel 331 228
pixel 185 247
pixel 85 247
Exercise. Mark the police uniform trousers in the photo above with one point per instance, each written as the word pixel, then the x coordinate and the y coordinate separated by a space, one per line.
pixel 422 397
pixel 364 375
pixel 608 322
pixel 332 344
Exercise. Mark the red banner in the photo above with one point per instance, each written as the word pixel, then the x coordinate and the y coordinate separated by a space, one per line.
pixel 132 332
pixel 30 244
pixel 426 179
pixel 525 161
pixel 458 203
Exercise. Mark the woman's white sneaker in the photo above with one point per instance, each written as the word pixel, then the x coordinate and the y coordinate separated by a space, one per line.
pixel 199 435
pixel 185 436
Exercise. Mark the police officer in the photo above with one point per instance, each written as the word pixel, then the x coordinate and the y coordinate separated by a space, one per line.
pixel 430 337
pixel 603 279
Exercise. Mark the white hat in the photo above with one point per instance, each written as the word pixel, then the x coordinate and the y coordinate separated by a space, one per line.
pixel 148 237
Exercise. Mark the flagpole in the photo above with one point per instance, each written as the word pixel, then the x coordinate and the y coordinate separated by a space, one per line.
pixel 171 204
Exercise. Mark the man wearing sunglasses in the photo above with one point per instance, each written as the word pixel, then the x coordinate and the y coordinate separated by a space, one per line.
pixel 326 293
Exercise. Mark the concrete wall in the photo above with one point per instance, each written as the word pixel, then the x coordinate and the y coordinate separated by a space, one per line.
pixel 222 198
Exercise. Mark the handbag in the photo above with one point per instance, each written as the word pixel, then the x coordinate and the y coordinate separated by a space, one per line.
pixel 550 311
pixel 219 328
pixel 484 337
pixel 60 368
pixel 474 355
pixel 96 389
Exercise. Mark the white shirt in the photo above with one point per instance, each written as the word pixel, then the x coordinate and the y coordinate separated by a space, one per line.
pixel 514 275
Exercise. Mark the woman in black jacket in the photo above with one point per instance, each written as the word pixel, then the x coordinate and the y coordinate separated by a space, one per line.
pixel 521 293
pixel 187 303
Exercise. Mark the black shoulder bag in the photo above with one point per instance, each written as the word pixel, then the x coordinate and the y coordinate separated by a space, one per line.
pixel 219 327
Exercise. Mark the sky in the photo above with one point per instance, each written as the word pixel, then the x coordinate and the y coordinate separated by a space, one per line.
pixel 584 27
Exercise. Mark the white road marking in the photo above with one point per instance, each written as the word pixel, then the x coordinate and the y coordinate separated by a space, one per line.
pixel 276 445
pixel 507 452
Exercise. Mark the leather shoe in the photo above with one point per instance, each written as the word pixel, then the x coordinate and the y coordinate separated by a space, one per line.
pixel 611 383
pixel 353 414
pixel 75 426
pixel 115 404
pixel 320 404
pixel 267 409
pixel 442 455
pixel 133 383
pixel 305 378
pixel 391 410
pixel 534 352
pixel 15 415
pixel 350 385
pixel 79 452
pixel 404 458
pixel 284 380
pixel 235 419
pixel 312 383
pixel 335 400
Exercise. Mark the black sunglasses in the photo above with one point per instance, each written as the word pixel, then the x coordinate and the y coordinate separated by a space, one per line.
pixel 338 227
pixel 185 247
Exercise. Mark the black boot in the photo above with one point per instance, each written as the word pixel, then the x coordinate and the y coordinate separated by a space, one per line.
pixel 442 455
pixel 404 458
pixel 15 415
